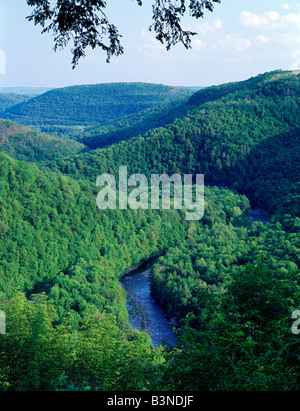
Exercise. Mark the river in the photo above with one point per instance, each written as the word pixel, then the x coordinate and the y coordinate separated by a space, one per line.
pixel 259 215
pixel 145 314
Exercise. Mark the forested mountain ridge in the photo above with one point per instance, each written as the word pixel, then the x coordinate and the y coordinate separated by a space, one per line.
pixel 60 262
pixel 223 90
pixel 25 144
pixel 140 123
pixel 11 99
pixel 231 283
pixel 92 104
pixel 232 140
pixel 48 222
pixel 131 126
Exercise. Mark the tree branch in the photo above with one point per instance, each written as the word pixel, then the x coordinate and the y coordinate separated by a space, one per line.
pixel 84 23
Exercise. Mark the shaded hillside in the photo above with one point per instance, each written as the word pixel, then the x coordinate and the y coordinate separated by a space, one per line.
pixel 11 99
pixel 26 144
pixel 55 240
pixel 137 124
pixel 270 174
pixel 231 283
pixel 218 138
pixel 60 260
pixel 216 92
pixel 133 125
pixel 92 104
pixel 49 222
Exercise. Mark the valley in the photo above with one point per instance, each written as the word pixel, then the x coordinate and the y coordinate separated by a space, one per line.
pixel 228 282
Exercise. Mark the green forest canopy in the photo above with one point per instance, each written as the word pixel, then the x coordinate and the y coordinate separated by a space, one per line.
pixel 232 283
pixel 92 104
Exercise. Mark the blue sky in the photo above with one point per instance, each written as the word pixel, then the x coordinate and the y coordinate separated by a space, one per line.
pixel 240 39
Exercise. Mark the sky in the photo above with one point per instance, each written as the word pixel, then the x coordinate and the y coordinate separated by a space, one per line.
pixel 238 40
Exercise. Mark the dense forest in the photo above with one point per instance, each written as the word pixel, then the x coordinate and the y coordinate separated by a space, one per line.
pixel 231 283
pixel 88 105
pixel 232 138
pixel 23 143
pixel 11 99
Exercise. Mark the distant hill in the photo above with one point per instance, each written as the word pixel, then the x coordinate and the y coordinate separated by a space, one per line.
pixel 228 283
pixel 92 104
pixel 243 135
pixel 124 128
pixel 140 123
pixel 11 99
pixel 23 143
pixel 25 90
pixel 195 88
pixel 127 127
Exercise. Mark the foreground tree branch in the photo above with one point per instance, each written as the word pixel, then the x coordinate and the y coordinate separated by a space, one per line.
pixel 85 24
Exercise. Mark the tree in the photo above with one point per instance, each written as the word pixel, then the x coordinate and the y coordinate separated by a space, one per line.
pixel 85 23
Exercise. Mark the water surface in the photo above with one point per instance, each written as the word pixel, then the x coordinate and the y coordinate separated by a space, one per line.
pixel 259 215
pixel 145 314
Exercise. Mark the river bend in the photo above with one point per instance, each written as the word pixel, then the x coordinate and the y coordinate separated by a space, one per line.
pixel 145 314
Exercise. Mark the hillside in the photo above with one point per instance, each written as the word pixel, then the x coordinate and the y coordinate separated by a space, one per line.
pixel 25 144
pixel 131 126
pixel 11 99
pixel 231 283
pixel 137 124
pixel 62 255
pixel 230 137
pixel 92 104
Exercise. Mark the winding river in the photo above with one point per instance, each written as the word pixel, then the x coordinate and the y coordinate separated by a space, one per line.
pixel 259 215
pixel 145 314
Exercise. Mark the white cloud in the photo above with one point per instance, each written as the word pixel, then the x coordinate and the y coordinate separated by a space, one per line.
pixel 291 19
pixel 234 42
pixel 272 15
pixel 197 44
pixel 286 6
pixel 269 20
pixel 2 62
pixel 207 28
pixel 217 24
pixel 154 45
pixel 148 43
pixel 266 19
pixel 262 39
pixel 287 40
